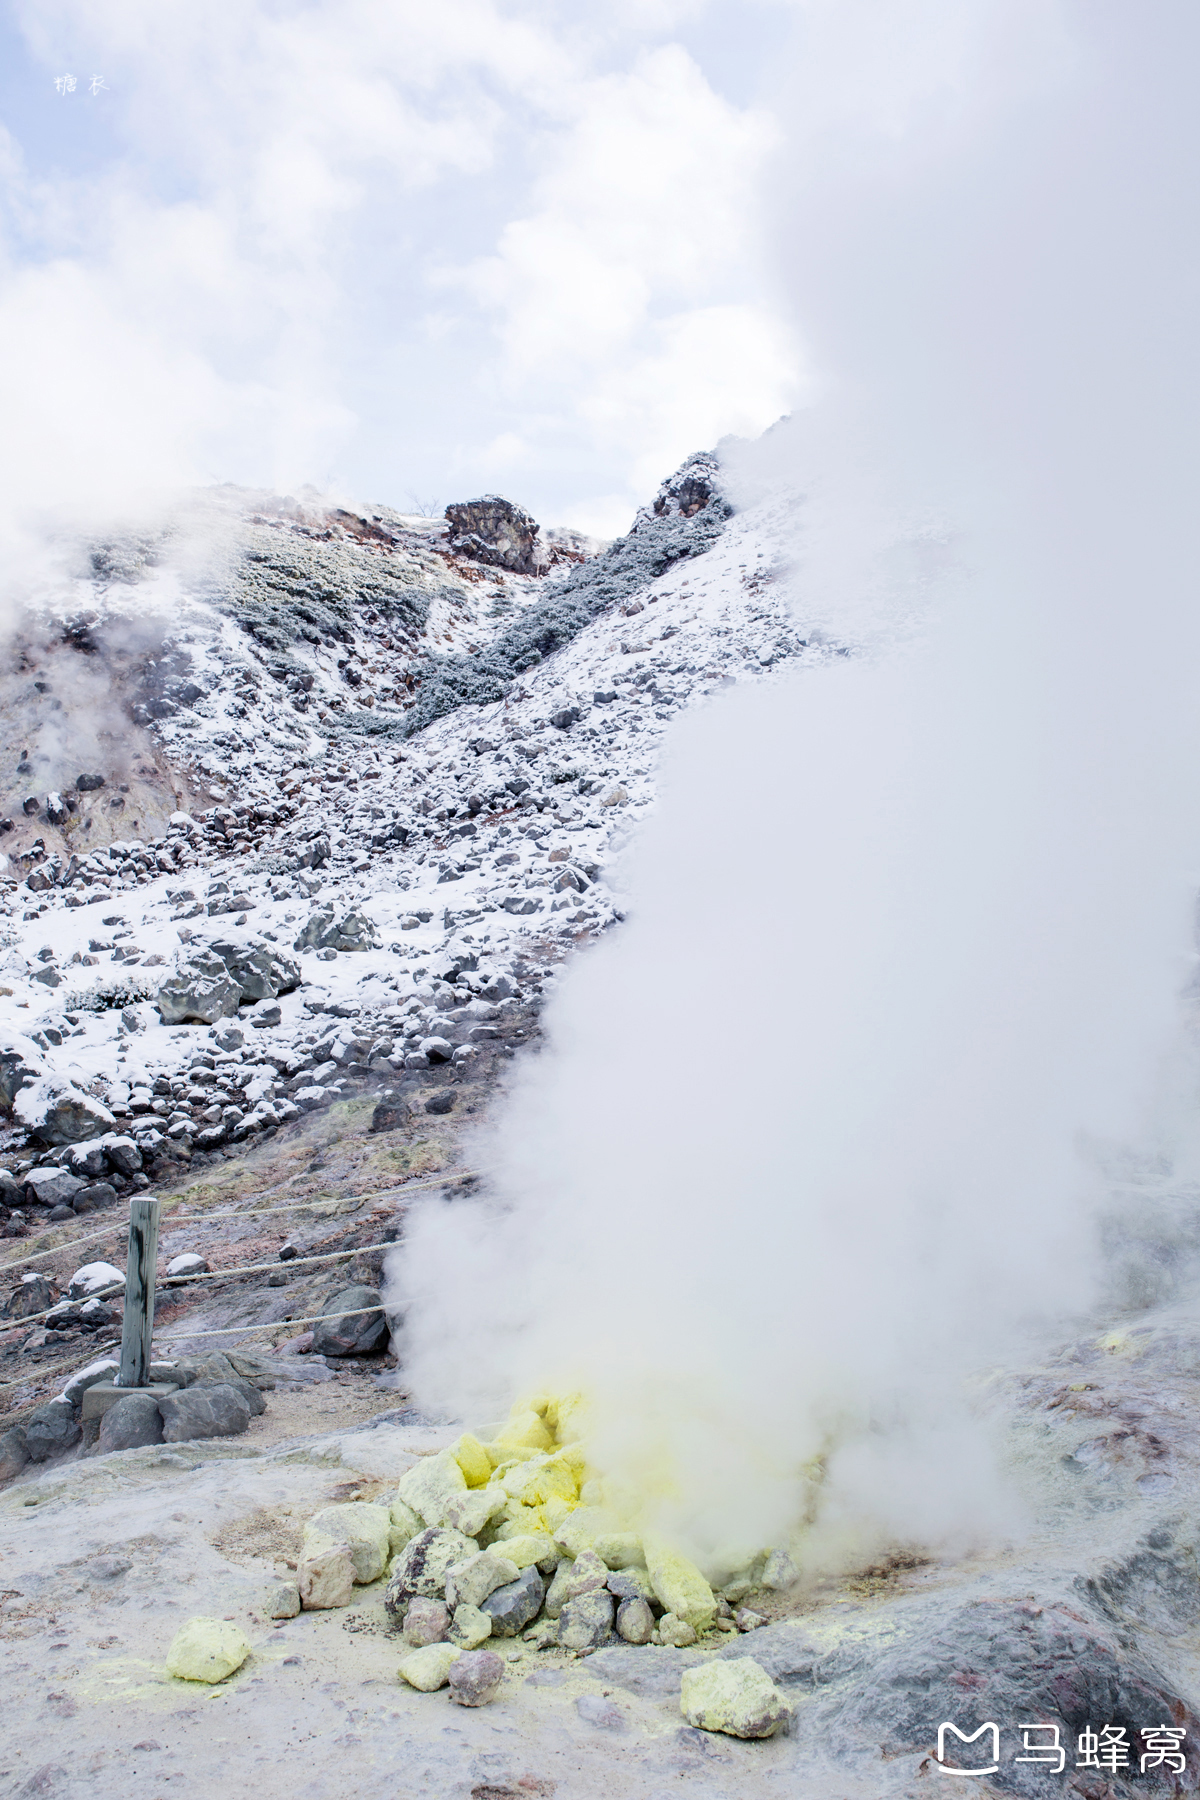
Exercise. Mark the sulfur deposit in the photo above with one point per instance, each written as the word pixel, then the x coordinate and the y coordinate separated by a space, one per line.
pixel 513 1533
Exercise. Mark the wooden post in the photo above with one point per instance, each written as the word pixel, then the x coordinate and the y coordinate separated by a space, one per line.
pixel 138 1327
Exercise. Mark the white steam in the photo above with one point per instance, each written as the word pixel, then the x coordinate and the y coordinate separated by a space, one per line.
pixel 813 1136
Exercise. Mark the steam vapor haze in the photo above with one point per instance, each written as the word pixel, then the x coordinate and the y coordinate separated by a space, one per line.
pixel 821 1129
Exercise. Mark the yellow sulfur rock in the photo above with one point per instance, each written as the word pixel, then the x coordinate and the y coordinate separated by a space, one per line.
pixel 680 1586
pixel 405 1524
pixel 540 1479
pixel 429 1669
pixel 736 1696
pixel 526 1431
pixel 535 1547
pixel 555 1511
pixel 473 1460
pixel 429 1484
pixel 207 1650
pixel 366 1528
pixel 620 1549
pixel 571 1418
pixel 579 1531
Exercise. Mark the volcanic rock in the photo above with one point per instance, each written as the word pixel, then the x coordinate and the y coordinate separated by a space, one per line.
pixel 737 1697
pixel 475 1677
pixel 363 1328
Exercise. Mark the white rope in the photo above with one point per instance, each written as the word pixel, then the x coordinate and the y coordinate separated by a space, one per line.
pixel 360 1312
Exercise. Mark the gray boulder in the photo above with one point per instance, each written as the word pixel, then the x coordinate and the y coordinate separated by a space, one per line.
pixel 51 1429
pixel 513 1607
pixel 324 931
pixel 261 970
pixel 363 1329
pixel 201 988
pixel 64 1114
pixel 130 1424
pixel 52 1186
pixel 204 1412
pixel 87 1160
pixel 14 1453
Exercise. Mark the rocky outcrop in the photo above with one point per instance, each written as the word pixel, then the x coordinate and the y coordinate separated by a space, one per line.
pixel 493 530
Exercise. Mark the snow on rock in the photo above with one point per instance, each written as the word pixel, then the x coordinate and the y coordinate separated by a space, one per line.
pixel 367 798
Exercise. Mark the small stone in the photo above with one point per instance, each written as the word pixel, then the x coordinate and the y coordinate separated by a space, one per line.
pixel 746 1619
pixel 672 1630
pixel 471 1626
pixel 635 1621
pixel 475 1677
pixel 425 1622
pixel 469 1583
pixel 187 1264
pixel 281 1600
pixel 531 1547
pixel 585 1623
pixel 735 1696
pixel 441 1102
pixel 325 1578
pixel 429 1669
pixel 514 1606
pixel 207 1650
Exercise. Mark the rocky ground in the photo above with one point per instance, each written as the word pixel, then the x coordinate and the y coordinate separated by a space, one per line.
pixel 307 808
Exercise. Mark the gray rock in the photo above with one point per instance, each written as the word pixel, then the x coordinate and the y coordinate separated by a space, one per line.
pixel 324 931
pixel 14 1452
pixel 426 1621
pixel 32 1295
pixel 262 971
pixel 648 1671
pixel 123 1155
pixel 475 1677
pixel 66 1115
pixel 512 1607
pixel 422 1566
pixel 441 1102
pixel 585 1623
pixel 77 1387
pixel 87 1161
pixel 201 988
pixel 204 1412
pixel 130 1424
pixel 631 1584
pixel 95 1194
pixel 635 1621
pixel 469 1583
pixel 363 1329
pixel 51 1429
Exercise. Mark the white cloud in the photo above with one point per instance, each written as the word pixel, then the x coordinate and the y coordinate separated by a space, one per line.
pixel 382 239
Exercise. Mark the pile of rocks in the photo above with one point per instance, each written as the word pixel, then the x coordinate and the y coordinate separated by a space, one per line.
pixel 209 1396
pixel 72 1181
pixel 491 1539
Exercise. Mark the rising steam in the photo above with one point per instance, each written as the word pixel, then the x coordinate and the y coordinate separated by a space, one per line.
pixel 820 1130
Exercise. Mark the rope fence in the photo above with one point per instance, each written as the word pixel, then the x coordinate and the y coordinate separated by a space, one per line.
pixel 225 1218
pixel 143 1300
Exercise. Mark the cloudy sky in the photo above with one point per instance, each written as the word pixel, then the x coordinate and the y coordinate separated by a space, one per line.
pixel 408 250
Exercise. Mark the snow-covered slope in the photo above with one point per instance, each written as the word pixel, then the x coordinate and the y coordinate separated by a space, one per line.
pixel 259 695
